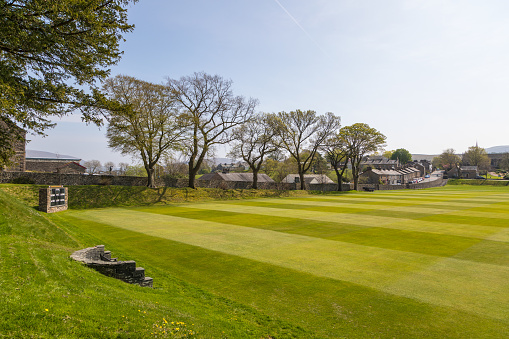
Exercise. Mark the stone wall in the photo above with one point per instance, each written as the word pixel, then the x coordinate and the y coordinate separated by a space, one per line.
pixel 81 179
pixel 101 261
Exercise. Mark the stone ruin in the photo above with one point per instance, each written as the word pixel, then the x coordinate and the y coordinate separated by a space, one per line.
pixel 100 260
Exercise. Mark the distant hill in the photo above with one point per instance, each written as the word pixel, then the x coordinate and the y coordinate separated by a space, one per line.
pixel 498 149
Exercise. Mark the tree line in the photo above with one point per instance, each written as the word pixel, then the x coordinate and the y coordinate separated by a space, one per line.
pixel 194 114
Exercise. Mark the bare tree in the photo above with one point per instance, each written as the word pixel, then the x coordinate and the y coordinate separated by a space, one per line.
pixel 122 168
pixel 253 141
pixel 360 139
pixel 301 133
pixel 208 104
pixel 108 167
pixel 93 166
pixel 146 125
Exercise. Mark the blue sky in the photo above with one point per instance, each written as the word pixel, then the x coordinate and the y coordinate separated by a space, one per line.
pixel 430 75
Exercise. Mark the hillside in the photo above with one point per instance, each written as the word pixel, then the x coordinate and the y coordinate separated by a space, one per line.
pixel 498 149
pixel 46 295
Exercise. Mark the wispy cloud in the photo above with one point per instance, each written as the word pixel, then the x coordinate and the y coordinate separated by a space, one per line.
pixel 302 28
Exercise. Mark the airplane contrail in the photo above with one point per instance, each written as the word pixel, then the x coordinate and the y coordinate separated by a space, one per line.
pixel 302 28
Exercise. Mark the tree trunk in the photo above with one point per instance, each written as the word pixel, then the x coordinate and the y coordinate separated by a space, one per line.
pixel 192 175
pixel 255 178
pixel 150 177
pixel 302 182
pixel 340 180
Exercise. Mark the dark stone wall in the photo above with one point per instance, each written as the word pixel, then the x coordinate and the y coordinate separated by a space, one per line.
pixel 100 260
pixel 80 179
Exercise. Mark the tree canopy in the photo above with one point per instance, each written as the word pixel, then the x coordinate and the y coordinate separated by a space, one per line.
pixel 448 160
pixel 252 142
pixel 52 54
pixel 402 155
pixel 476 156
pixel 360 139
pixel 301 133
pixel 208 104
pixel 148 123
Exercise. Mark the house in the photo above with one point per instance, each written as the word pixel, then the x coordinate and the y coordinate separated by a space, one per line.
pixel 391 177
pixel 235 177
pixel 308 178
pixel 466 172
pixel 40 161
pixel 379 162
pixel 71 167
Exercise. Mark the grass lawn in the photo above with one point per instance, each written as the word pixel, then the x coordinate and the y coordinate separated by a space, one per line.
pixel 395 264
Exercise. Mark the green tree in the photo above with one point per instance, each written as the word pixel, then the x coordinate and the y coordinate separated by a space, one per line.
pixel 448 160
pixel 337 153
pixel 147 126
pixel 301 133
pixel 252 142
pixel 402 155
pixel 52 53
pixel 476 156
pixel 208 104
pixel 504 162
pixel 360 139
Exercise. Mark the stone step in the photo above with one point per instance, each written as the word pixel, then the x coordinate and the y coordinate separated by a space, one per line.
pixel 107 254
pixel 147 282
pixel 139 273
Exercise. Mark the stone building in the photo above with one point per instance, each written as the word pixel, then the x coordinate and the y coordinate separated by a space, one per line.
pixel 40 161
pixel 466 172
pixel 18 159
pixel 391 177
pixel 308 178
pixel 380 162
pixel 235 177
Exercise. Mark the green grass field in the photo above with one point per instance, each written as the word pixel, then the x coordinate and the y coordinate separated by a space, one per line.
pixel 397 264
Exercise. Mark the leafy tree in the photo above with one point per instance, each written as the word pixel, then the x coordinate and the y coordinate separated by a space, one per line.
pixel 93 166
pixel 208 104
pixel 253 141
pixel 147 126
pixel 301 133
pixel 448 160
pixel 52 53
pixel 504 162
pixel 402 155
pixel 337 153
pixel 476 156
pixel 387 154
pixel 360 139
pixel 278 170
pixel 137 170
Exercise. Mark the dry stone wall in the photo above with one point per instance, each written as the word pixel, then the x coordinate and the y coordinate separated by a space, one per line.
pixel 80 179
pixel 100 260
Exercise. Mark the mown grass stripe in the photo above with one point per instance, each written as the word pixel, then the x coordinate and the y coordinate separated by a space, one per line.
pixel 391 271
pixel 409 241
pixel 473 231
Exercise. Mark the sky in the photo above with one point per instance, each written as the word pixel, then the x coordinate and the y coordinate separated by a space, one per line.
pixel 430 74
